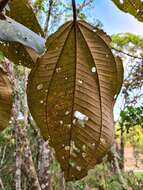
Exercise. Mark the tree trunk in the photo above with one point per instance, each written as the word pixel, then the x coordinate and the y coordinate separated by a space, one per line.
pixel 16 110
pixel 18 159
pixel 62 182
pixel 115 162
pixel 23 151
pixel 28 163
pixel 122 147
pixel 44 166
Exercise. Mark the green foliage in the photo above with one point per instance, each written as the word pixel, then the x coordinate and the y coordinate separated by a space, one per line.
pixel 123 39
pixel 132 87
pixel 102 178
pixel 7 158
pixel 135 180
pixel 1 56
pixel 131 116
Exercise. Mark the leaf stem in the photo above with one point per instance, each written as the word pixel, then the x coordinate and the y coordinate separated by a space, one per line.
pixel 74 10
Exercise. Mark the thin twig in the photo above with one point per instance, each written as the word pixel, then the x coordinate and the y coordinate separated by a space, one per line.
pixel 1 184
pixel 128 54
pixel 4 153
pixel 74 10
pixel 48 18
pixel 84 4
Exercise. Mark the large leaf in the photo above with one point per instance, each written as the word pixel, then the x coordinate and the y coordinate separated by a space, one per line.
pixel 16 37
pixel 134 7
pixel 70 95
pixel 119 65
pixel 22 12
pixel 5 100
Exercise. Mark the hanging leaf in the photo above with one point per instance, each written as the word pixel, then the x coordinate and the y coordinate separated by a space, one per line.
pixel 19 37
pixel 120 73
pixel 134 7
pixel 22 12
pixel 71 93
pixel 5 100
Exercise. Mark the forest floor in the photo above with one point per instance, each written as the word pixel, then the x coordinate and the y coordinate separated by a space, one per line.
pixel 130 160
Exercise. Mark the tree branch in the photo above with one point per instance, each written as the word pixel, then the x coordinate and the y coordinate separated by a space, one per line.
pixel 1 184
pixel 128 54
pixel 48 18
pixel 84 4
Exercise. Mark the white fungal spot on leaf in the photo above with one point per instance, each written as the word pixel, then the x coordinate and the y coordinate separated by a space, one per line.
pixel 80 116
pixel 121 1
pixel 78 168
pixel 39 86
pixel 83 154
pixel 80 81
pixel 103 141
pixel 61 122
pixel 74 121
pixel 67 147
pixel 41 101
pixel 93 144
pixel 67 112
pixel 138 10
pixel 84 147
pixel 93 69
pixel 58 69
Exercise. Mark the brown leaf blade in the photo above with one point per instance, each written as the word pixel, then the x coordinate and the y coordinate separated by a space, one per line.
pixel 133 7
pixel 22 12
pixel 16 53
pixel 120 73
pixel 5 100
pixel 70 95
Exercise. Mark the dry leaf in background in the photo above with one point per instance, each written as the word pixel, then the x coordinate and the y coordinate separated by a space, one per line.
pixel 5 100
pixel 17 36
pixel 134 7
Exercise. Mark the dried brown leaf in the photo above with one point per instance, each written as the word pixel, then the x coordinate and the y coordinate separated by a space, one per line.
pixel 22 12
pixel 120 73
pixel 70 95
pixel 134 7
pixel 5 100
pixel 17 53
